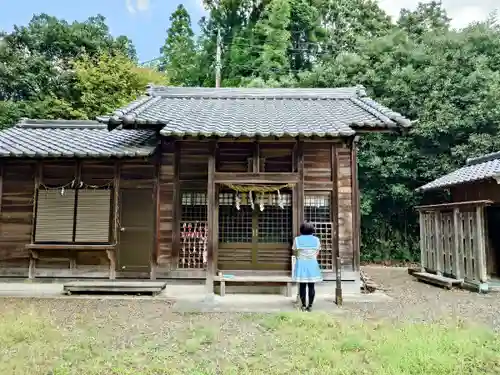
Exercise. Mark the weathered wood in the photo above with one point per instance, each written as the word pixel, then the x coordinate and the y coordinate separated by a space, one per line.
pixel 299 214
pixel 112 263
pixel 74 247
pixel 256 178
pixel 254 279
pixel 423 260
pixel 103 286
pixel 176 205
pixel 1 187
pixel 440 280
pixel 356 223
pixel 457 227
pixel 442 206
pixel 212 221
pixel 482 273
pixel 438 242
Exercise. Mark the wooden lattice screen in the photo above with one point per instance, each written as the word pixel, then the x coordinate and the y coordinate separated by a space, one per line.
pixel 452 243
pixel 193 231
pixel 317 210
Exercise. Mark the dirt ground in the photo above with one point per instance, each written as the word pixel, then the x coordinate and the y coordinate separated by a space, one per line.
pixel 416 301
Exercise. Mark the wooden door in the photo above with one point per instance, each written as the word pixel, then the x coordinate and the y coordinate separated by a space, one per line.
pixel 137 210
pixel 273 237
pixel 251 239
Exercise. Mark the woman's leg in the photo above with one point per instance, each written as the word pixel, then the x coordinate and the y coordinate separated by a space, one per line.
pixel 311 292
pixel 302 293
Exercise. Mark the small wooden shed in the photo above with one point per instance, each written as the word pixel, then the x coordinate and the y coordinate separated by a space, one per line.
pixel 188 183
pixel 460 238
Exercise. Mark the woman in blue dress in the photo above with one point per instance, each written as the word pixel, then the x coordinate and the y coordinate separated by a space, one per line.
pixel 307 271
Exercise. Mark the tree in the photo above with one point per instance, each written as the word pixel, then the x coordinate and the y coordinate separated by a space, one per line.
pixel 179 53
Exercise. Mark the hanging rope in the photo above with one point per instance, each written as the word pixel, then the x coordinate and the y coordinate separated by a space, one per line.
pixel 257 188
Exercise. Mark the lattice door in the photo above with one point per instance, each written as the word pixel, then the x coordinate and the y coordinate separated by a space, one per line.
pixel 193 231
pixel 317 210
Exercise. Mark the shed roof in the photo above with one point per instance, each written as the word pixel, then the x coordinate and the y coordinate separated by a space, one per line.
pixel 475 169
pixel 70 139
pixel 250 112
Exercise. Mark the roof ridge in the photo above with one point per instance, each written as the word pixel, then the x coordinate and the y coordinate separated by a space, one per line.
pixel 483 159
pixel 59 124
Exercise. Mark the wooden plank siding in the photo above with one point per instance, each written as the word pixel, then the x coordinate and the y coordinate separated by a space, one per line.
pixel 183 166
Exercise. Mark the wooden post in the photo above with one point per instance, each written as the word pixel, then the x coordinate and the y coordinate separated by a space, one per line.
pixel 356 217
pixel 439 242
pixel 1 185
pixel 334 201
pixel 212 222
pixel 482 272
pixel 457 243
pixel 33 256
pixel 300 184
pixel 156 199
pixel 176 208
pixel 423 259
pixel 116 227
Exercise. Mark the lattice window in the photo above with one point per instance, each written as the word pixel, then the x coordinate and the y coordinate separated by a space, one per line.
pixel 235 226
pixel 276 223
pixel 317 210
pixel 193 230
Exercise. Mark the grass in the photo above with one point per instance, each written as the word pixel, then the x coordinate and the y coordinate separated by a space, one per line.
pixel 37 341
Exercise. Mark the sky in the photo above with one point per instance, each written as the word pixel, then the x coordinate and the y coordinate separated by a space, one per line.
pixel 146 21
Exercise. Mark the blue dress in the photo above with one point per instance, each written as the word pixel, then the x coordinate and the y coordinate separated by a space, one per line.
pixel 306 266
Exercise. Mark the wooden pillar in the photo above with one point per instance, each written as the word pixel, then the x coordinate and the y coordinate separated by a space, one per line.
pixel 423 258
pixel 482 273
pixel 156 198
pixel 300 184
pixel 335 224
pixel 33 256
pixel 211 221
pixel 439 242
pixel 116 221
pixel 1 185
pixel 457 243
pixel 356 215
pixel 176 208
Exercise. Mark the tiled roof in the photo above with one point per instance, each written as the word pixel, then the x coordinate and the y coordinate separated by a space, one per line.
pixel 81 139
pixel 250 112
pixel 476 169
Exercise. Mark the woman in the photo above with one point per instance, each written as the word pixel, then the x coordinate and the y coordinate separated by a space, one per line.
pixel 307 271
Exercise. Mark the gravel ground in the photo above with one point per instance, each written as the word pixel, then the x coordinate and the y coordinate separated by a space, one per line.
pixel 417 301
pixel 412 300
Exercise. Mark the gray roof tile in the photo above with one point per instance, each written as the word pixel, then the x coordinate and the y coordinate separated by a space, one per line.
pixel 80 139
pixel 476 169
pixel 250 112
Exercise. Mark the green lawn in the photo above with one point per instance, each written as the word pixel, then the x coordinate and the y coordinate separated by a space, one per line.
pixel 35 341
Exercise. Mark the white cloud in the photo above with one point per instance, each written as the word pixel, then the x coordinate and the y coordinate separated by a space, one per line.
pixel 134 6
pixel 462 12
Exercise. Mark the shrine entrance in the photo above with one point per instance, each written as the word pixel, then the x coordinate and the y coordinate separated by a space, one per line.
pixel 255 228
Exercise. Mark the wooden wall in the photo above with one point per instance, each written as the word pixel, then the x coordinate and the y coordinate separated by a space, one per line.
pixel 17 197
pixel 475 191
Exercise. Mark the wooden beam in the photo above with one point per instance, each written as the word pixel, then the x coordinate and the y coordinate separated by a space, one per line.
pixel 256 157
pixel 212 222
pixel 334 202
pixel 300 184
pixel 116 219
pixel 256 178
pixel 77 180
pixel 482 272
pixel 82 247
pixel 356 216
pixel 442 206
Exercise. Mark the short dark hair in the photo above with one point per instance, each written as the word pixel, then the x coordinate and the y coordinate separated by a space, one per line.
pixel 306 229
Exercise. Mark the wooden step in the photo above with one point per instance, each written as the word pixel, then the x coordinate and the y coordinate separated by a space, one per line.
pixel 439 280
pixel 114 286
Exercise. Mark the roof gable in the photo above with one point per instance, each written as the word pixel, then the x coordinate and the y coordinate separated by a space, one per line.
pixel 250 112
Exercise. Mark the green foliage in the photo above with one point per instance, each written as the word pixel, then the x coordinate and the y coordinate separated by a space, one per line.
pixel 448 80
pixel 179 54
